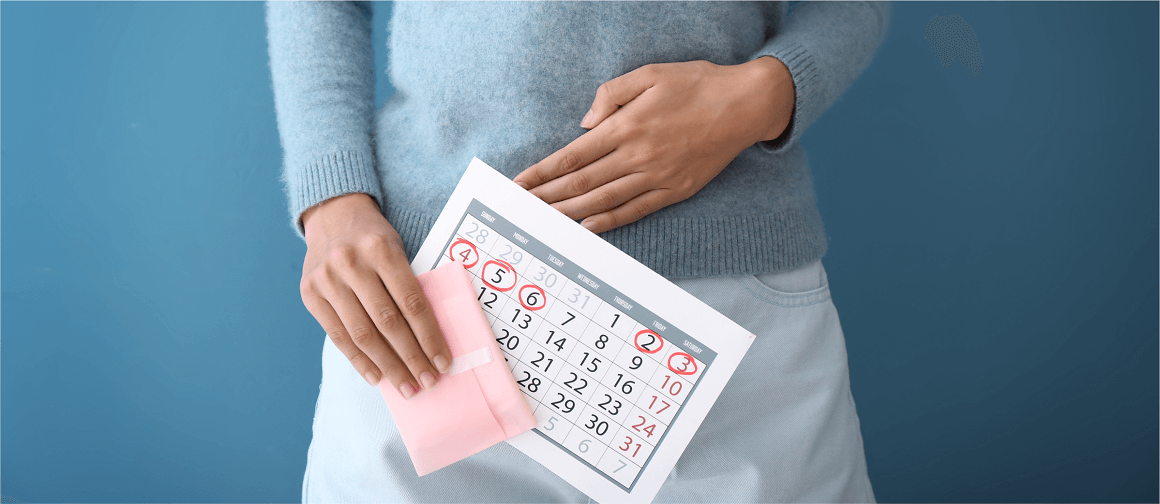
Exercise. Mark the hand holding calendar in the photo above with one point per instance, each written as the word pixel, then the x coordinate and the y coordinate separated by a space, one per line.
pixel 618 365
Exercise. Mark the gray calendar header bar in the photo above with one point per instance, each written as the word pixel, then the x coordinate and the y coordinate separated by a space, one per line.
pixel 601 289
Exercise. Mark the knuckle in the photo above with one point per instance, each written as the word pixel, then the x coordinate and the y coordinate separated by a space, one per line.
pixel 569 162
pixel 388 317
pixel 686 188
pixel 413 303
pixel 648 154
pixel 640 209
pixel 362 336
pixel 604 91
pixel 344 255
pixel 377 242
pixel 307 288
pixel 578 183
pixel 605 200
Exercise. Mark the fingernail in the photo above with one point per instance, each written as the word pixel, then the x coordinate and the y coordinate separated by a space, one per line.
pixel 427 379
pixel 370 378
pixel 441 363
pixel 522 184
pixel 591 226
pixel 584 121
pixel 407 390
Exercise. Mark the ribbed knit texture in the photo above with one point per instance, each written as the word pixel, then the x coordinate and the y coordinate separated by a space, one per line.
pixel 509 82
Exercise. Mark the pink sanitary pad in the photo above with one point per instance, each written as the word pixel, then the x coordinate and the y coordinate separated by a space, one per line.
pixel 477 403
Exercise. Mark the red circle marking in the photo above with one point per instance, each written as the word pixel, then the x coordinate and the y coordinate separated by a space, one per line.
pixel 451 250
pixel 502 264
pixel 521 296
pixel 636 341
pixel 687 356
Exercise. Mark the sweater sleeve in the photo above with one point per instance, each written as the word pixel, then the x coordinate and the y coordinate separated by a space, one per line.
pixel 322 68
pixel 825 45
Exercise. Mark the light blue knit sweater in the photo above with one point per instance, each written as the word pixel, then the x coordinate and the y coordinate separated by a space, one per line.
pixel 509 83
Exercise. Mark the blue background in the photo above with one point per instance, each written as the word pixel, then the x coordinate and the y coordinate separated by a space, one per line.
pixel 993 254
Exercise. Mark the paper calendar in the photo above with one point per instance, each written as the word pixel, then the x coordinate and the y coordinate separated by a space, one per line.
pixel 619 365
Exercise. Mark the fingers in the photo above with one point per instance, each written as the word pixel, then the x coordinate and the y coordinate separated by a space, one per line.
pixel 619 91
pixel 604 198
pixel 631 211
pixel 366 336
pixel 579 182
pixel 576 155
pixel 332 324
pixel 408 321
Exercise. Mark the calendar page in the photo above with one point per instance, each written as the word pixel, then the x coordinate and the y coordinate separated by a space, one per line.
pixel 619 365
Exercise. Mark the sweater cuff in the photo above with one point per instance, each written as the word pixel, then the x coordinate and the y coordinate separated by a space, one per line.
pixel 328 177
pixel 806 84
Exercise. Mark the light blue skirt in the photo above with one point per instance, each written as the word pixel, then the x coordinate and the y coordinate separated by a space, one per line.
pixel 784 430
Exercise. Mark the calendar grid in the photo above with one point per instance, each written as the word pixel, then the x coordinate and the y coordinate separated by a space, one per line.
pixel 603 386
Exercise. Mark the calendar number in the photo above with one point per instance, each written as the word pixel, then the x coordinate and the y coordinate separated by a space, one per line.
pixel 549 279
pixel 595 424
pixel 593 365
pixel 576 294
pixel 612 406
pixel 551 424
pixel 571 317
pixel 508 340
pixel 488 303
pixel 602 341
pixel 683 365
pixel 465 251
pixel 559 343
pixel 532 385
pixel 477 234
pixel 537 362
pixel 652 404
pixel 512 256
pixel 499 275
pixel 523 323
pixel 532 297
pixel 637 362
pixel 648 342
pixel 674 389
pixel 625 387
pixel 641 428
pixel 564 404
pixel 628 446
pixel 579 382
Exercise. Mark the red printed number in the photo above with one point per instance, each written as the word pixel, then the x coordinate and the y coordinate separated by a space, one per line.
pixel 463 251
pixel 684 364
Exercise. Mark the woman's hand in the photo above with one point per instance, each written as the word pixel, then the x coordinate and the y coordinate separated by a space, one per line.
pixel 658 135
pixel 357 283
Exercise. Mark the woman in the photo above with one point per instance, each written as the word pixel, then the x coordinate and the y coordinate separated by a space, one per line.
pixel 670 129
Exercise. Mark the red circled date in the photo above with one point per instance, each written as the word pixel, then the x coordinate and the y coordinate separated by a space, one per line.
pixel 501 276
pixel 465 251
pixel 685 366
pixel 652 343
pixel 534 300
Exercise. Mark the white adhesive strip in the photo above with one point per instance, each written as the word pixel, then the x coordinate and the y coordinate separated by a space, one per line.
pixel 469 361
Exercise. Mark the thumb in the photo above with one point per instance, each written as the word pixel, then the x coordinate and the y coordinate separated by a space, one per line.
pixel 619 91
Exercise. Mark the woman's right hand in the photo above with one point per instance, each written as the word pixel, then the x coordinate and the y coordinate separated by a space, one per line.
pixel 357 283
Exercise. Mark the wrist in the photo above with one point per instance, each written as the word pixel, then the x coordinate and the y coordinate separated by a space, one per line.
pixel 323 216
pixel 772 78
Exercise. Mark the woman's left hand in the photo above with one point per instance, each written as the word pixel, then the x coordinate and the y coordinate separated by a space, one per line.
pixel 658 134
